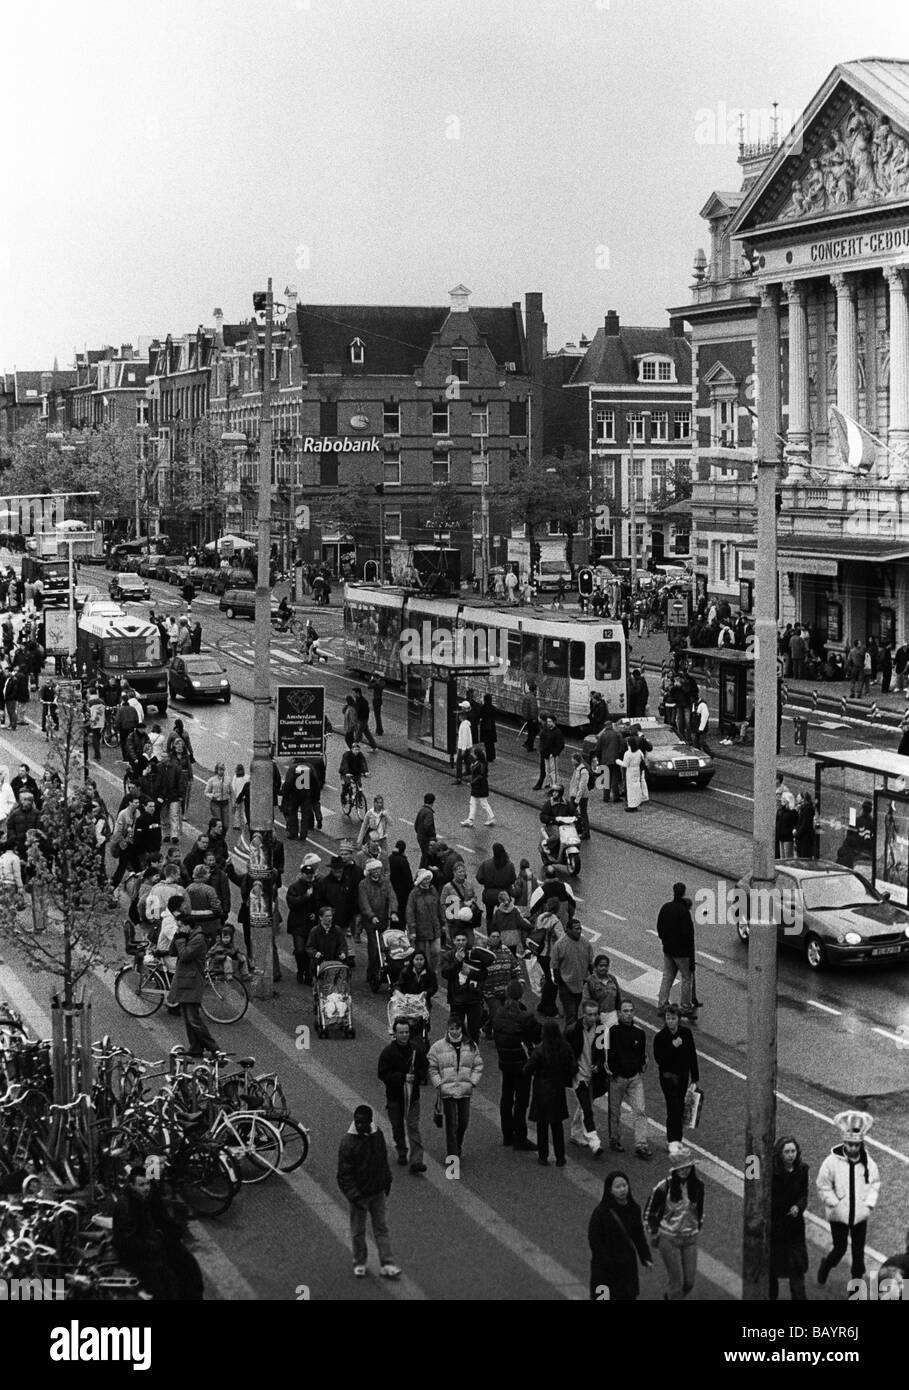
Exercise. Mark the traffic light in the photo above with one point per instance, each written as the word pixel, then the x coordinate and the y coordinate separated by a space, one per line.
pixel 536 554
pixel 585 582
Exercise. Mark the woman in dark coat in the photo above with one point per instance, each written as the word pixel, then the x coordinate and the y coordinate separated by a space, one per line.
pixel 191 947
pixel 804 827
pixel 553 1066
pixel 493 875
pixel 789 1198
pixel 487 728
pixel 616 1238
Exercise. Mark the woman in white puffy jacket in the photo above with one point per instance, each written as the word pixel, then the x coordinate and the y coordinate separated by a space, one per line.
pixel 848 1184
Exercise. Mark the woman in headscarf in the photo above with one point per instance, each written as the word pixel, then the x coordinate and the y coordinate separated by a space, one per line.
pixel 789 1198
pixel 632 760
pixel 617 1242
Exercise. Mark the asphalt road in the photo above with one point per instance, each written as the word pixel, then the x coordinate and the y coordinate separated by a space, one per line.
pixel 839 1045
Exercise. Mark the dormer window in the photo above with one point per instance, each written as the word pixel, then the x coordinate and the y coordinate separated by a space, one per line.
pixel 656 369
pixel 357 352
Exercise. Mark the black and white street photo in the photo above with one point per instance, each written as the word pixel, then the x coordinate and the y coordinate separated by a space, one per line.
pixel 430 434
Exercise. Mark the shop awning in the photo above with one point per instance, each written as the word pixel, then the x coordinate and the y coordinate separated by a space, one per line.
pixel 822 554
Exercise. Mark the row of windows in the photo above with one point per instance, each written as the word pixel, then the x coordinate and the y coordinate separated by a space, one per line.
pixel 635 422
pixel 289 419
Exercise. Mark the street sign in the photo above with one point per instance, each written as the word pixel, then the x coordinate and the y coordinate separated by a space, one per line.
pixel 227 548
pixel 601 519
pixel 301 517
pixel 59 631
pixel 301 721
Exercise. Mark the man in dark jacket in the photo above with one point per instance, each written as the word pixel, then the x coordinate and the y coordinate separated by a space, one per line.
pixel 191 949
pixel 24 780
pixel 675 928
pixel 337 891
pixel 551 745
pixel 638 694
pixel 377 686
pixel 21 819
pixel 626 1061
pixel 361 705
pixel 365 1179
pixel 677 1062
pixel 125 720
pixel 515 1033
pixel 465 998
pixel 425 827
pixel 403 1069
pixel 327 942
pixel 302 913
pixel 610 747
pixel 530 713
pixel 400 875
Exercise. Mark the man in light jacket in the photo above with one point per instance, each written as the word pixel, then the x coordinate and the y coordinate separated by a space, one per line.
pixel 848 1184
pixel 455 1068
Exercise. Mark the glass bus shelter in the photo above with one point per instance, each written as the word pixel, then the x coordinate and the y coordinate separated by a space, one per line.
pixel 862 799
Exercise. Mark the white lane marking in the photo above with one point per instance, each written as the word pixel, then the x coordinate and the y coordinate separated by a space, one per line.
pixel 650 932
pixel 740 796
pixel 616 915
pixel 468 849
pixel 825 1007
pixel 564 1281
pixel 705 955
pixel 893 1037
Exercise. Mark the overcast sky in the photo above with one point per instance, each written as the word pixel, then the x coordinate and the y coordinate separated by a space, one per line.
pixel 160 160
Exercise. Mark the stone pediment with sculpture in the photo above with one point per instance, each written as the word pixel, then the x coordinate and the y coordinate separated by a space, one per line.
pixel 861 160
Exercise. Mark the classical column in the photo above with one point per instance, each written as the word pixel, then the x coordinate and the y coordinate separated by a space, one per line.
pixel 898 419
pixel 846 345
pixel 798 435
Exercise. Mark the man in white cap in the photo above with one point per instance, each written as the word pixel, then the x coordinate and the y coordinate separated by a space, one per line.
pixel 849 1184
pixel 465 741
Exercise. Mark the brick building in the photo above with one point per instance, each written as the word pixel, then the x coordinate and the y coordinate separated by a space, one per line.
pixel 626 402
pixel 439 395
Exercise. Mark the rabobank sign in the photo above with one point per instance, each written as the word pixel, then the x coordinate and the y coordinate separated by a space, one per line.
pixel 324 445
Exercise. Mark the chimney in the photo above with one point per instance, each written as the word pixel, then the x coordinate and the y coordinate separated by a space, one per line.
pixel 677 325
pixel 459 297
pixel 535 334
pixel 584 341
pixel 218 316
pixel 126 351
pixel 611 324
pixel 290 298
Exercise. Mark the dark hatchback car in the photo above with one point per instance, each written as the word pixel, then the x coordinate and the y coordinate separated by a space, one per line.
pixel 832 914
pixel 238 603
pixel 198 677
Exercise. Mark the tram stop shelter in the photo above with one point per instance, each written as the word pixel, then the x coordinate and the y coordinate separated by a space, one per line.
pixel 432 706
pixel 862 815
pixel 732 670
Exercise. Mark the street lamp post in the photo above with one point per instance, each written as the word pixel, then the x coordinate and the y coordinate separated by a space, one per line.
pixel 261 792
pixel 633 503
pixel 760 1119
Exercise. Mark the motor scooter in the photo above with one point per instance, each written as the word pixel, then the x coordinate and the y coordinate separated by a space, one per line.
pixel 568 853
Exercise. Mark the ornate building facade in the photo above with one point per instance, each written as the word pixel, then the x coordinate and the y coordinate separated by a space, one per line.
pixel 819 235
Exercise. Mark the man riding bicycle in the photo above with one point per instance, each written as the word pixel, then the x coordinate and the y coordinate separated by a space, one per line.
pixel 284 614
pixel 354 767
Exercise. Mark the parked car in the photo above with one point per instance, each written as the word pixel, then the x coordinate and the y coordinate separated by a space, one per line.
pixel 198 677
pixel 85 593
pixel 550 572
pixel 830 913
pixel 238 603
pixel 234 578
pixel 153 566
pixel 129 587
pixel 671 762
pixel 179 573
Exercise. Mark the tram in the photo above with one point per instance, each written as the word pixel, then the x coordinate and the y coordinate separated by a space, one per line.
pixel 567 655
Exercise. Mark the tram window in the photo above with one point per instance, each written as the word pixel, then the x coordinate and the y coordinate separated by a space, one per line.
pixel 514 650
pixel 607 661
pixel 531 655
pixel 555 657
pixel 577 661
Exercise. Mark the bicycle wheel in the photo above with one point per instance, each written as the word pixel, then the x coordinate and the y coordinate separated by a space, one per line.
pixel 224 999
pixel 110 738
pixel 203 1179
pixel 360 805
pixel 295 1141
pixel 139 993
pixel 254 1144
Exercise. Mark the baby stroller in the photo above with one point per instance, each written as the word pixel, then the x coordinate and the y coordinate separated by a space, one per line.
pixel 331 999
pixel 414 1008
pixel 395 951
